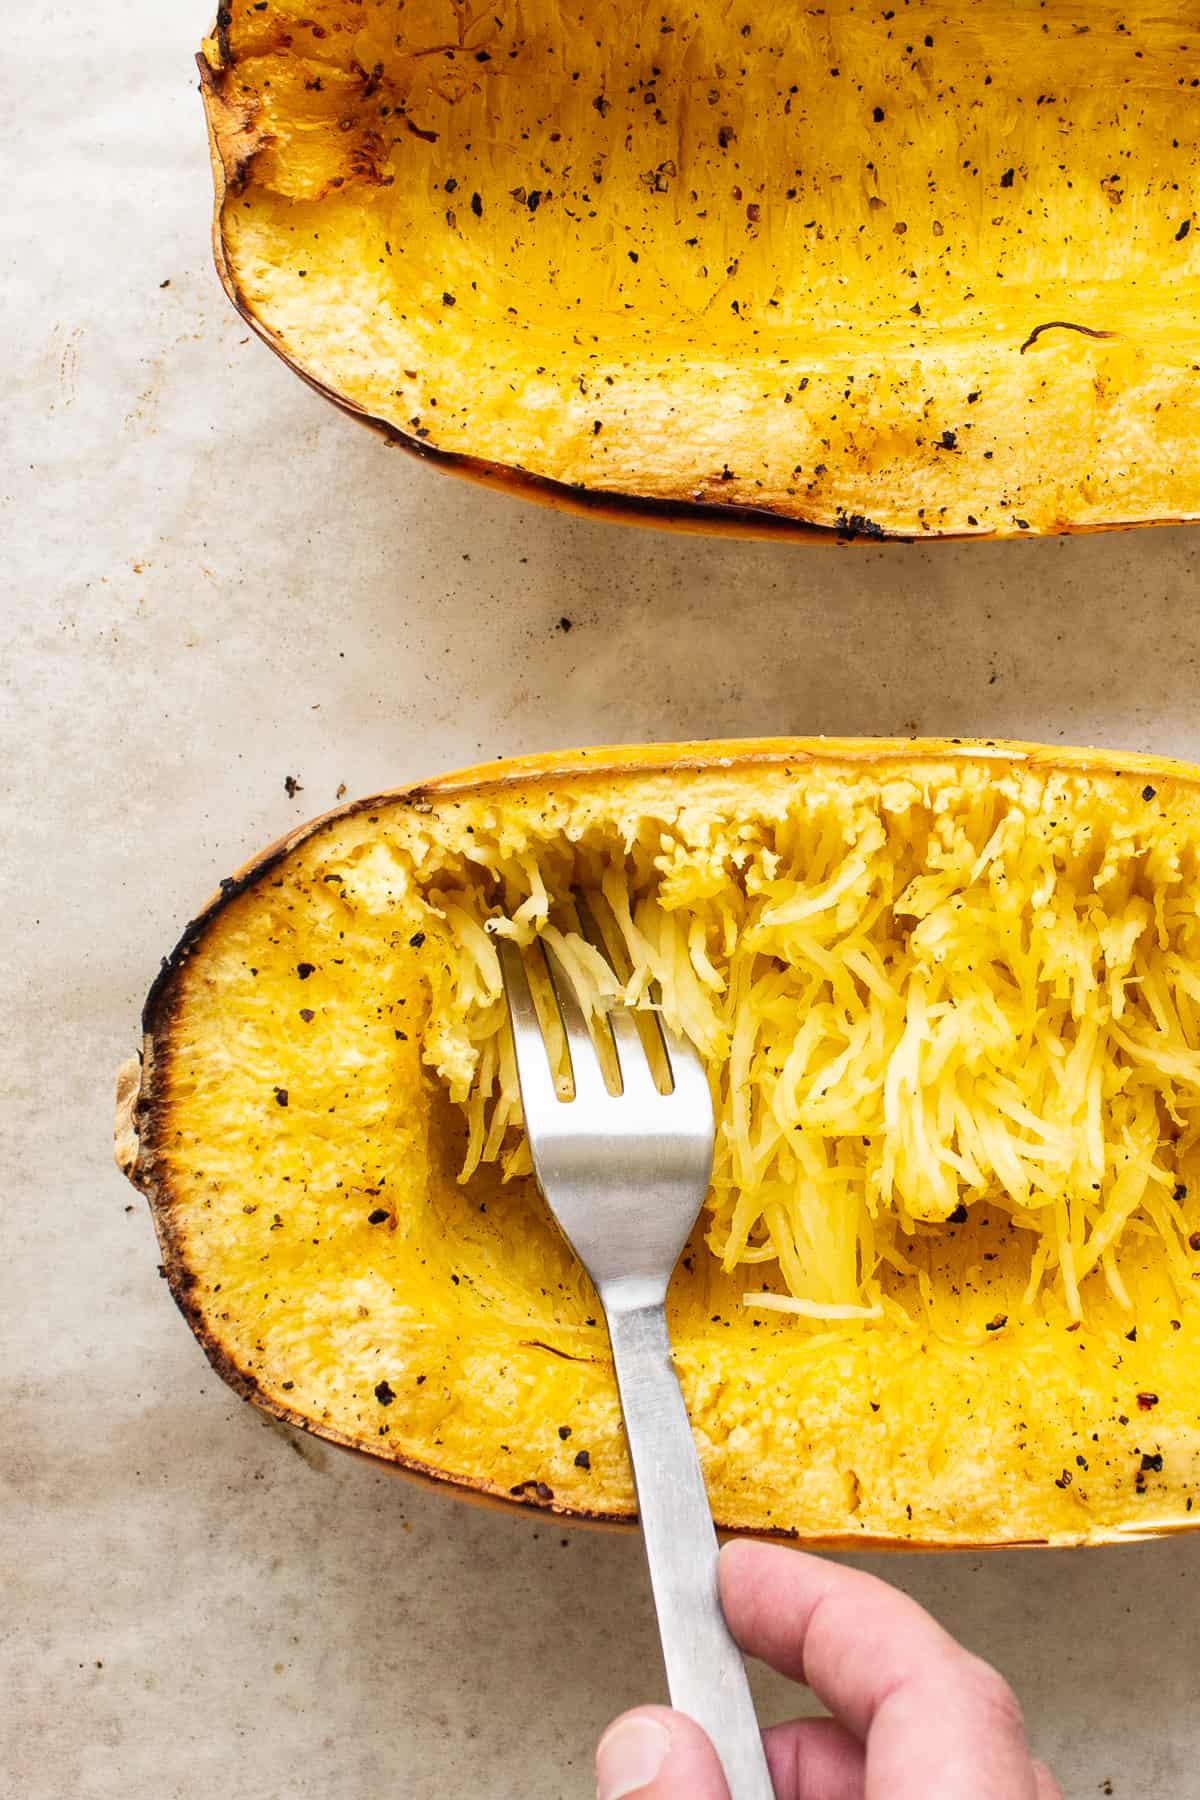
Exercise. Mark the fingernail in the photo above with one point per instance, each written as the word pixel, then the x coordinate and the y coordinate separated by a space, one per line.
pixel 629 1756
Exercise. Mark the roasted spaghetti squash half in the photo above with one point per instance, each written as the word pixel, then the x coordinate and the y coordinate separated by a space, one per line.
pixel 921 271
pixel 944 1290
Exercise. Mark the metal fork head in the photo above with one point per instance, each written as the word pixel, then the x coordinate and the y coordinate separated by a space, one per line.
pixel 624 1174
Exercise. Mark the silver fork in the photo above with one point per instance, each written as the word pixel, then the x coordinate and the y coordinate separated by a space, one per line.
pixel 624 1175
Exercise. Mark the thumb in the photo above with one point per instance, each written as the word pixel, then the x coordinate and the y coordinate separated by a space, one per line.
pixel 656 1754
pixel 1047 1787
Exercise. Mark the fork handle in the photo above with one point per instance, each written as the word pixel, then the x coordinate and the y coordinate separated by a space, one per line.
pixel 705 1673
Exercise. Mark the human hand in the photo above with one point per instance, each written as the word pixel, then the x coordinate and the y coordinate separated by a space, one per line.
pixel 915 1716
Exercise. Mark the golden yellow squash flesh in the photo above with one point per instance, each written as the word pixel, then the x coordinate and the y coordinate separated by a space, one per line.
pixel 917 270
pixel 1010 931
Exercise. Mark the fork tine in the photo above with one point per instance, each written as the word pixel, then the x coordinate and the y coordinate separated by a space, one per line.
pixel 585 1063
pixel 533 1062
pixel 636 1073
pixel 689 1083
pixel 687 1070
pixel 632 1061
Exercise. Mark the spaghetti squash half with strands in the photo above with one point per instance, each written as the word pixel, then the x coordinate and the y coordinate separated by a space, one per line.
pixel 949 1001
pixel 911 999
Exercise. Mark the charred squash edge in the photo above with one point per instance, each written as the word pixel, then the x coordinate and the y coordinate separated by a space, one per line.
pixel 137 1111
